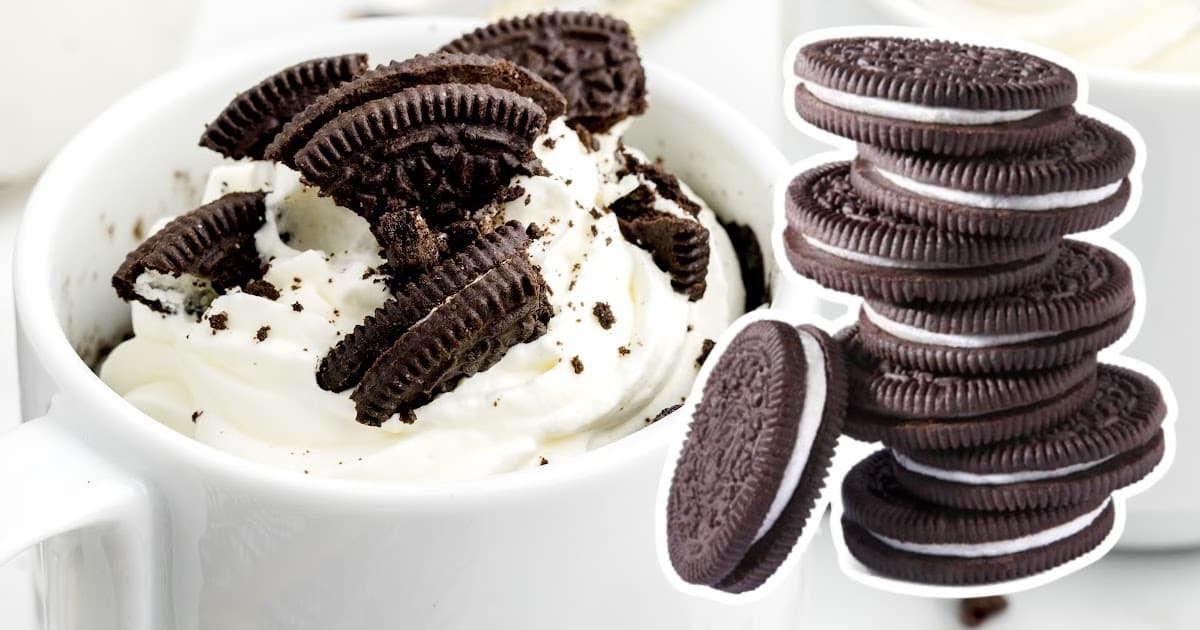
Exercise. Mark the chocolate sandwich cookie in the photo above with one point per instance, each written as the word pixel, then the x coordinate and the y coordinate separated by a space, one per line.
pixel 436 69
pixel 190 260
pixel 252 119
pixel 1114 441
pixel 915 409
pixel 897 535
pixel 1075 185
pixel 940 97
pixel 1082 305
pixel 756 455
pixel 844 242
pixel 591 58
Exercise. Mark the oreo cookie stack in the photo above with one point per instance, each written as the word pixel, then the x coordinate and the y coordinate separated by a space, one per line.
pixel 974 356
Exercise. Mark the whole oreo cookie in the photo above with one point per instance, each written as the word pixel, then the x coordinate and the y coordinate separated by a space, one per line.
pixel 447 150
pixel 1075 185
pixel 756 456
pixel 897 535
pixel 186 263
pixel 940 97
pixel 252 119
pixel 1084 304
pixel 842 241
pixel 592 59
pixel 915 409
pixel 436 69
pixel 1115 440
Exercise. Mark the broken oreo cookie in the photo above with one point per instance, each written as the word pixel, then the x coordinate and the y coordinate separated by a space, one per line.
pixel 756 455
pixel 592 59
pixel 252 119
pixel 678 245
pixel 196 255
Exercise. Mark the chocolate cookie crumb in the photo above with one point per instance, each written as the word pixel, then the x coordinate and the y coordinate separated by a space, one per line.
pixel 534 231
pixel 196 415
pixel 595 214
pixel 666 411
pixel 595 232
pixel 262 289
pixel 298 307
pixel 549 143
pixel 576 364
pixel 974 611
pixel 705 348
pixel 623 351
pixel 542 461
pixel 604 315
pixel 218 321
pixel 262 333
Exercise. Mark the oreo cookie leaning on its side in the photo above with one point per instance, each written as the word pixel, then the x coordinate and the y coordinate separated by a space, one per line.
pixel 1115 440
pixel 436 69
pixel 455 320
pixel 591 58
pixel 941 97
pixel 897 535
pixel 184 265
pixel 1084 304
pixel 916 409
pixel 837 238
pixel 1075 185
pixel 252 119
pixel 756 455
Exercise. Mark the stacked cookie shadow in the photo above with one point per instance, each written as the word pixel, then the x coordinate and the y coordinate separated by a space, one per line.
pixel 974 356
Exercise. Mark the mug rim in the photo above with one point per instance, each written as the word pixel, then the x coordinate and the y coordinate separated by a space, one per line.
pixel 38 322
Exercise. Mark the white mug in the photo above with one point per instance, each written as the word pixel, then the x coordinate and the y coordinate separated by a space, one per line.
pixel 143 528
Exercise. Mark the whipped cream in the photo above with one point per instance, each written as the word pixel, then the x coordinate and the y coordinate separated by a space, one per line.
pixel 250 389
pixel 1154 35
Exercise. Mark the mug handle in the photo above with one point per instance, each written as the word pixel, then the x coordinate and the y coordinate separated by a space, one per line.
pixel 53 488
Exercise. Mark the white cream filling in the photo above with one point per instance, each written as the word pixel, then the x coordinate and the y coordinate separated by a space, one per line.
pixel 922 336
pixel 916 113
pixel 810 422
pixel 184 293
pixel 878 261
pixel 999 547
pixel 1033 203
pixel 976 479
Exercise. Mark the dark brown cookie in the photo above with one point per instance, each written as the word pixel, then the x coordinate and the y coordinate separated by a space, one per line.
pixel 915 409
pixel 344 365
pixel 386 80
pixel 1113 441
pixel 678 244
pixel 1084 304
pixel 947 98
pixel 447 149
pixel 211 248
pixel 750 262
pixel 592 59
pixel 840 240
pixel 897 535
pixel 252 119
pixel 756 455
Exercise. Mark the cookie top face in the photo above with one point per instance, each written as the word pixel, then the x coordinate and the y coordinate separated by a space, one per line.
pixel 1126 412
pixel 732 464
pixel 1087 286
pixel 592 59
pixel 185 264
pixel 1086 167
pixel 937 73
pixel 385 80
pixel 252 119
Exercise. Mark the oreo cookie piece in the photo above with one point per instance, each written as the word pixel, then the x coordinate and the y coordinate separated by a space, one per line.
pixel 183 266
pixel 915 409
pixel 1075 185
pixel 897 535
pixel 756 455
pixel 678 243
pixel 1082 305
pixel 436 69
pixel 252 119
pixel 592 59
pixel 447 150
pixel 844 242
pixel 946 98
pixel 1114 441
